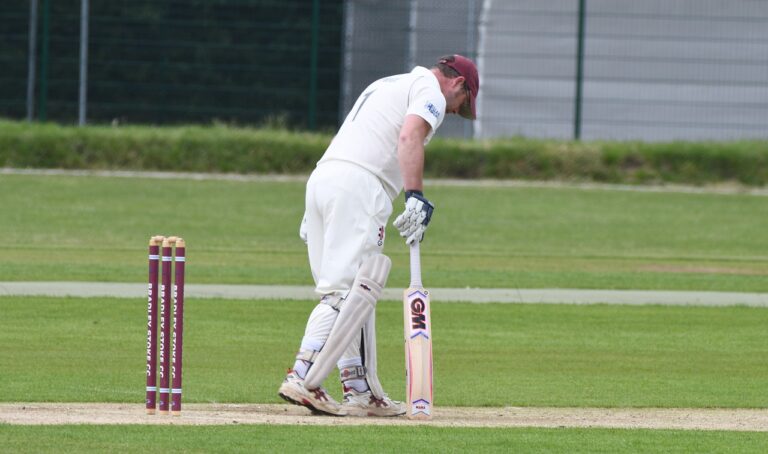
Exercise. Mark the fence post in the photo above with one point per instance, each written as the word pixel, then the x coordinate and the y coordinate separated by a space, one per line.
pixel 347 33
pixel 32 60
pixel 83 62
pixel 579 70
pixel 413 20
pixel 313 65
pixel 471 53
pixel 43 107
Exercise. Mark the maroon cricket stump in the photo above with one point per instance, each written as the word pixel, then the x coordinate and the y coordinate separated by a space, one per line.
pixel 154 259
pixel 165 327
pixel 178 328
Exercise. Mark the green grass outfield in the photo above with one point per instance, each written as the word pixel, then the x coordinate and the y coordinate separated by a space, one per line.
pixel 93 350
pixel 96 229
pixel 28 439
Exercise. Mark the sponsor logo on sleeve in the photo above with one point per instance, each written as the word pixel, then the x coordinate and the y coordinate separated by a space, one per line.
pixel 432 109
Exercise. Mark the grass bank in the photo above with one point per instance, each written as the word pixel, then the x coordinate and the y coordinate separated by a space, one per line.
pixel 221 148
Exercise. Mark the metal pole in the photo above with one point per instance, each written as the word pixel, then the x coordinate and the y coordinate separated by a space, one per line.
pixel 348 34
pixel 83 61
pixel 43 104
pixel 579 71
pixel 313 65
pixel 32 60
pixel 483 28
pixel 412 37
pixel 471 51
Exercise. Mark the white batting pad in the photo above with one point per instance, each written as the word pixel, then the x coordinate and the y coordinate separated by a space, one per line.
pixel 356 310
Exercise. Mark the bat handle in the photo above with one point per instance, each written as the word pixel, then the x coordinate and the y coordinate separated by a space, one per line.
pixel 415 266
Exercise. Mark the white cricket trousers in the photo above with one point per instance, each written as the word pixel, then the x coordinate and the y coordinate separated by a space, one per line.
pixel 347 210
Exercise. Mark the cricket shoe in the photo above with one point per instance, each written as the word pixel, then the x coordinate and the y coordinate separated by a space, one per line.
pixel 317 400
pixel 366 404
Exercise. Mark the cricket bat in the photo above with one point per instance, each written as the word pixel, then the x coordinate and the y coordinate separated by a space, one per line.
pixel 418 344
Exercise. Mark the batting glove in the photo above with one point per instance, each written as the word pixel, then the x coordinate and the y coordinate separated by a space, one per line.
pixel 412 223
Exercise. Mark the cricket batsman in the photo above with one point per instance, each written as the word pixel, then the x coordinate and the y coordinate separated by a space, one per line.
pixel 377 152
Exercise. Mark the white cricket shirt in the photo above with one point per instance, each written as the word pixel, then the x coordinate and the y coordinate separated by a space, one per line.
pixel 370 132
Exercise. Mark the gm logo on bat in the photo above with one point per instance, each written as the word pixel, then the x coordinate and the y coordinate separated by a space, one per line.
pixel 418 318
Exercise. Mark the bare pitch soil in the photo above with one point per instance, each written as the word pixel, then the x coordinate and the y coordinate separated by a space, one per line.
pixel 229 414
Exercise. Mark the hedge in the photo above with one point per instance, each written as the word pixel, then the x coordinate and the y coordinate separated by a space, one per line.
pixel 222 148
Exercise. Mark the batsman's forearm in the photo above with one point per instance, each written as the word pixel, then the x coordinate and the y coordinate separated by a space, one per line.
pixel 410 154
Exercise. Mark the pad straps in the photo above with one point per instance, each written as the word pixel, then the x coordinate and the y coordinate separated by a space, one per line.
pixel 352 373
pixel 332 300
pixel 307 355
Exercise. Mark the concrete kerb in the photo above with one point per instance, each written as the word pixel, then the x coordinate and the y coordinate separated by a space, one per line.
pixel 447 295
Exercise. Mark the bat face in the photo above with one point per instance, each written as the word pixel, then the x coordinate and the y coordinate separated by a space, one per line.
pixel 418 353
